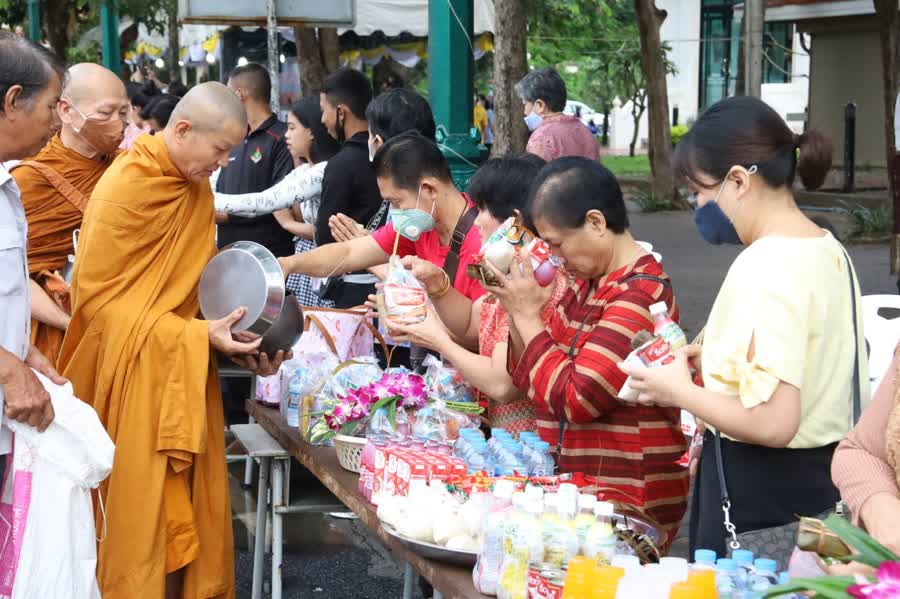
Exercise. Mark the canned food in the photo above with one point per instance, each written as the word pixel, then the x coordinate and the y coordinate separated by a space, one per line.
pixel 545 581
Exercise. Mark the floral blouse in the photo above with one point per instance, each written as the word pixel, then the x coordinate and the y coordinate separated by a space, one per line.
pixel 302 186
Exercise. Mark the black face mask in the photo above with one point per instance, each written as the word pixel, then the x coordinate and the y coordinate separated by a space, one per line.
pixel 339 126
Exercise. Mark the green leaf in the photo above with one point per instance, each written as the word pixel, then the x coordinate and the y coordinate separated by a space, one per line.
pixel 871 552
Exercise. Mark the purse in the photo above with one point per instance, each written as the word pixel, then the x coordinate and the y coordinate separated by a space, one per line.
pixel 778 542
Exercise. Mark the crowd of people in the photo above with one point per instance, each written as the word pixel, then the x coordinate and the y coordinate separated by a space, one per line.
pixel 351 180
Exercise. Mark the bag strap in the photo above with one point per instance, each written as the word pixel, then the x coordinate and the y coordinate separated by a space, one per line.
pixel 375 221
pixel 311 318
pixel 65 189
pixel 561 405
pixel 856 410
pixel 463 226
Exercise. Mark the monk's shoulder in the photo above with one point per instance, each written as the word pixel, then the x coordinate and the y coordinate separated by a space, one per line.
pixel 127 170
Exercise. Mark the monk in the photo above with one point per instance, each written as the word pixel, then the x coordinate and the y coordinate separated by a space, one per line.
pixel 56 184
pixel 137 352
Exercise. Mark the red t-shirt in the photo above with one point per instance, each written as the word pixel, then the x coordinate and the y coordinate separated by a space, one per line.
pixel 429 247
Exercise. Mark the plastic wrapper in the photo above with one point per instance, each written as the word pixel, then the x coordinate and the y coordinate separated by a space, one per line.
pixel 301 376
pixel 500 250
pixel 349 375
pixel 439 422
pixel 402 299
pixel 446 383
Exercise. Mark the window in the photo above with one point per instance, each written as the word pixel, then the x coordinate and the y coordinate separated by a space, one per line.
pixel 778 41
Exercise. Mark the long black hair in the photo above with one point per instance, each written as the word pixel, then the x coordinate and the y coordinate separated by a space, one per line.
pixel 746 131
pixel 502 184
pixel 307 111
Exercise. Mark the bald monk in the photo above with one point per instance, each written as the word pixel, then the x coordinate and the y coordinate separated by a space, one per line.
pixel 138 353
pixel 56 185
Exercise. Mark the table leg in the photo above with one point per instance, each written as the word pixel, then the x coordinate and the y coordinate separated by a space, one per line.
pixel 409 581
pixel 277 529
pixel 259 546
pixel 248 466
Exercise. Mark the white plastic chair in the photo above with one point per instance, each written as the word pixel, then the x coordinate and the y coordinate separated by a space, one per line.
pixel 882 334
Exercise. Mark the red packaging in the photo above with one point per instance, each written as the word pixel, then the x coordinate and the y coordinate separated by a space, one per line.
pixel 410 467
pixel 378 473
pixel 656 353
pixel 544 583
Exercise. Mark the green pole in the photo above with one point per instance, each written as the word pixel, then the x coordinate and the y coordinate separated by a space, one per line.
pixel 34 21
pixel 109 25
pixel 450 75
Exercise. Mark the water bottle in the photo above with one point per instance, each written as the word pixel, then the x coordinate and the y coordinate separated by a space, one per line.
pixel 704 559
pixel 764 577
pixel 726 578
pixel 547 457
pixel 744 560
pixel 295 396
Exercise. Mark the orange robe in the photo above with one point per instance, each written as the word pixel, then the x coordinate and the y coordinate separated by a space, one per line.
pixel 137 353
pixel 52 218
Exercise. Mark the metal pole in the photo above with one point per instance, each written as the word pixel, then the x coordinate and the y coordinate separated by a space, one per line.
pixel 109 25
pixel 274 53
pixel 259 545
pixel 34 21
pixel 850 147
pixel 277 525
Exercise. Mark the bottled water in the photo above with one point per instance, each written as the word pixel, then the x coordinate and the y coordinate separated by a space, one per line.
pixel 744 561
pixel 763 578
pixel 704 559
pixel 727 578
pixel 295 396
pixel 542 463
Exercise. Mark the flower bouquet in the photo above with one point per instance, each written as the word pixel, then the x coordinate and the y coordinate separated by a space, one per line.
pixel 883 583
pixel 396 392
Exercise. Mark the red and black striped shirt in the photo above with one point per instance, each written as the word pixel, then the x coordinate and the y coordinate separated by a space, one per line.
pixel 632 449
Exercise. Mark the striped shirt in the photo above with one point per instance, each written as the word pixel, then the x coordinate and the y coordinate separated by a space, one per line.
pixel 632 449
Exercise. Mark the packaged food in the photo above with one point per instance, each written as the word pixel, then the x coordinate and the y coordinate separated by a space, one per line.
pixel 500 250
pixel 402 299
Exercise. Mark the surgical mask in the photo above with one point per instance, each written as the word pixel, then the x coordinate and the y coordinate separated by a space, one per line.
pixel 411 223
pixel 533 120
pixel 103 136
pixel 712 223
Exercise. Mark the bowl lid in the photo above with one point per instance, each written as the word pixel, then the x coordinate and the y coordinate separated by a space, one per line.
pixel 243 274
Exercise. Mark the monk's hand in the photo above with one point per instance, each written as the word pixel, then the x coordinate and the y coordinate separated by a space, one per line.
pixel 260 364
pixel 26 399
pixel 344 228
pixel 221 338
pixel 39 362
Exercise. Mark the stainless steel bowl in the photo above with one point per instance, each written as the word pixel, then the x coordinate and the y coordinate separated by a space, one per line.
pixel 243 274
pixel 287 330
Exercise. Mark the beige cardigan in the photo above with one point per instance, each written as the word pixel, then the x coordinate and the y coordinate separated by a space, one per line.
pixel 868 460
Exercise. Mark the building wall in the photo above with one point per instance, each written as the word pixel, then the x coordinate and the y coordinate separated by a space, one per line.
pixel 846 65
pixel 791 99
pixel 681 30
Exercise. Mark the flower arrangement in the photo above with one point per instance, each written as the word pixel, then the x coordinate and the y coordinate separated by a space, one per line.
pixel 883 583
pixel 393 391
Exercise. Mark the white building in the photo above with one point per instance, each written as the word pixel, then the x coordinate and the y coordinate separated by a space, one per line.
pixel 704 37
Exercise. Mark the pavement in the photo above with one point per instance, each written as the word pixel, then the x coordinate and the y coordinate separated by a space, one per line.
pixel 331 558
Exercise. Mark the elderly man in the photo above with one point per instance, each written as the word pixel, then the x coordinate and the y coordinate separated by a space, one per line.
pixel 30 82
pixel 56 185
pixel 136 351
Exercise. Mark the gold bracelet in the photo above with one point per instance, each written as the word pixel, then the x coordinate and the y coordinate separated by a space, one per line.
pixel 445 289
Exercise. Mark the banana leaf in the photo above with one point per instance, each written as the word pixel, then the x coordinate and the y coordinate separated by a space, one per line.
pixel 869 551
pixel 832 587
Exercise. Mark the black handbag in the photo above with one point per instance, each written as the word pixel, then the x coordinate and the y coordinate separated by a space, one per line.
pixel 778 542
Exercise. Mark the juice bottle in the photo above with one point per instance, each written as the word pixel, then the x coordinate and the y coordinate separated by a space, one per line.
pixel 585 518
pixel 486 573
pixel 524 545
pixel 685 590
pixel 606 583
pixel 665 327
pixel 600 543
pixel 705 580
pixel 560 539
pixel 581 577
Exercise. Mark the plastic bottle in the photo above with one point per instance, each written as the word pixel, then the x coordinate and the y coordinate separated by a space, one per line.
pixel 585 518
pixel 685 590
pixel 631 564
pixel 295 396
pixel 705 580
pixel 744 560
pixel 675 568
pixel 523 545
pixel 763 577
pixel 543 465
pixel 600 543
pixel 665 327
pixel 704 559
pixel 580 578
pixel 726 578
pixel 486 573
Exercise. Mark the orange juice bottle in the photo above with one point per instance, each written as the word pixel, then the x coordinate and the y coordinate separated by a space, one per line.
pixel 685 590
pixel 705 581
pixel 579 578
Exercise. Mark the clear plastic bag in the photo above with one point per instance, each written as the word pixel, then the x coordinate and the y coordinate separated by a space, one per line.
pixel 350 375
pixel 446 383
pixel 402 299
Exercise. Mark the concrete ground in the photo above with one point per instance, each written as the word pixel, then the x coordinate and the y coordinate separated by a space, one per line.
pixel 329 558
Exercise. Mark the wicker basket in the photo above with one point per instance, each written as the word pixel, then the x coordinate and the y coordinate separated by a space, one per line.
pixel 349 451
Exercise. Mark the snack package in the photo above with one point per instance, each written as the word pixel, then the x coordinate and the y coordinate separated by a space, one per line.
pixel 301 376
pixel 445 382
pixel 500 251
pixel 402 299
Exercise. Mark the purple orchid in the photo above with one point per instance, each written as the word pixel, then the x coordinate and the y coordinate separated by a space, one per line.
pixel 886 587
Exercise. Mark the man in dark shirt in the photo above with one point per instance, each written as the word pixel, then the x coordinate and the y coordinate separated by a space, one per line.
pixel 349 186
pixel 256 165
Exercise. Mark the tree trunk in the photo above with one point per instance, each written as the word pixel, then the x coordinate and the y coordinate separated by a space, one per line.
pixel 889 20
pixel 174 46
pixel 330 48
pixel 312 70
pixel 57 18
pixel 652 62
pixel 510 65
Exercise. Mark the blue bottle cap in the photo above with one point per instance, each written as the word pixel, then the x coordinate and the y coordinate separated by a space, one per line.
pixel 726 565
pixel 742 557
pixel 705 556
pixel 784 578
pixel 768 566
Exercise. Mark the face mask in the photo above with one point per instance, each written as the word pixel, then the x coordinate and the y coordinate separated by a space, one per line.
pixel 713 224
pixel 413 222
pixel 103 136
pixel 533 120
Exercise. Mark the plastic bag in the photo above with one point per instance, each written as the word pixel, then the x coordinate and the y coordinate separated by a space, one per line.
pixel 348 376
pixel 500 250
pixel 402 299
pixel 446 383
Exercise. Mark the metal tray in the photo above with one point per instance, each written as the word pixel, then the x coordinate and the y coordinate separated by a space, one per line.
pixel 432 551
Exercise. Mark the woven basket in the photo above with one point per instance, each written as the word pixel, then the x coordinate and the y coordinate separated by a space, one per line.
pixel 349 451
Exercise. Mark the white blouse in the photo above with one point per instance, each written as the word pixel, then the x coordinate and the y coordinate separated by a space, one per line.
pixel 301 187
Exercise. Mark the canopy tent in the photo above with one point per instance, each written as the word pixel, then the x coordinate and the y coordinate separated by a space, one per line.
pixel 394 17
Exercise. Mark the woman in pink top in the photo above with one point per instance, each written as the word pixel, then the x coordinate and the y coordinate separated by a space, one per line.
pixel 554 134
pixel 866 465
